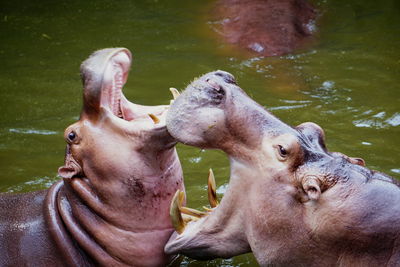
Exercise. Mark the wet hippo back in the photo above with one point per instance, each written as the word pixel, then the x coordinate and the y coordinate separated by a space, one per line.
pixel 32 232
pixel 23 231
pixel 269 28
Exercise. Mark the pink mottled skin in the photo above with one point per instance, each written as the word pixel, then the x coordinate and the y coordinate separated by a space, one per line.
pixel 120 173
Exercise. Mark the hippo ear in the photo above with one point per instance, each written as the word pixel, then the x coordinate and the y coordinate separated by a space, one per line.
pixel 311 185
pixel 68 171
pixel 71 168
pixel 358 161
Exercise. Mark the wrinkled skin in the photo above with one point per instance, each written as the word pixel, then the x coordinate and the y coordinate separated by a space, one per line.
pixel 290 201
pixel 268 27
pixel 121 171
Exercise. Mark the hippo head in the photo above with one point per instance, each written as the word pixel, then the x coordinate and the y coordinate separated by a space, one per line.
pixel 121 163
pixel 289 200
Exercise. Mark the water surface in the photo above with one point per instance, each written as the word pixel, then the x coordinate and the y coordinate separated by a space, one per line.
pixel 348 81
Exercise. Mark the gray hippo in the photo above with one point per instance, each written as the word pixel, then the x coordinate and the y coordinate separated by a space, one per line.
pixel 121 171
pixel 268 27
pixel 290 201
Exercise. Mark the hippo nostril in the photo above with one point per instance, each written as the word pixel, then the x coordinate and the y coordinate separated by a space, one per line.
pixel 215 92
pixel 214 84
pixel 228 78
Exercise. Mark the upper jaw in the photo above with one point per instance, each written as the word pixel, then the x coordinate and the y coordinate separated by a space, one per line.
pixel 214 112
pixel 211 89
pixel 200 110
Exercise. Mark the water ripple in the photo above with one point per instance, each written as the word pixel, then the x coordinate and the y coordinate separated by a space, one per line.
pixel 35 184
pixel 222 189
pixel 378 120
pixel 287 107
pixel 31 131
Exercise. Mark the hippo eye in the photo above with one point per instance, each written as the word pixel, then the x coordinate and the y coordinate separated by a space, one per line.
pixel 71 136
pixel 282 151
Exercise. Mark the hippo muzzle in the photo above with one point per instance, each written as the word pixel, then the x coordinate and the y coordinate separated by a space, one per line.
pixel 290 201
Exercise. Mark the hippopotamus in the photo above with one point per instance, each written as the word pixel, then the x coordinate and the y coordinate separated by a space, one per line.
pixel 289 200
pixel 269 28
pixel 111 207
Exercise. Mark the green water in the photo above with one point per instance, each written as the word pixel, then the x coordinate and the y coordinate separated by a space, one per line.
pixel 348 81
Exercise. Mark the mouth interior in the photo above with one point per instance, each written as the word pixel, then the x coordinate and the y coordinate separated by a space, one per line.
pixel 115 93
pixel 114 78
pixel 114 100
pixel 183 218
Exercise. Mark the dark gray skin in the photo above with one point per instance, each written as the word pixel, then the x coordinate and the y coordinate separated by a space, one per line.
pixel 290 201
pixel 120 173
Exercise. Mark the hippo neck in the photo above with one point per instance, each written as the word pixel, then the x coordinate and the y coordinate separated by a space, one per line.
pixel 106 243
pixel 86 239
pixel 71 254
pixel 132 203
pixel 94 233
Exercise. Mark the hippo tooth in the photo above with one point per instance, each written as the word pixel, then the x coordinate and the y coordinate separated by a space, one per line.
pixel 189 218
pixel 212 190
pixel 175 213
pixel 175 92
pixel 192 212
pixel 154 118
pixel 208 209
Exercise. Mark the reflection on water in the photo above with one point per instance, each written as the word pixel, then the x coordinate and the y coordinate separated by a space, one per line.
pixel 348 82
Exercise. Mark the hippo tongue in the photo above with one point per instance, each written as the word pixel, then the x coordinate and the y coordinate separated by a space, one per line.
pixel 131 111
pixel 127 113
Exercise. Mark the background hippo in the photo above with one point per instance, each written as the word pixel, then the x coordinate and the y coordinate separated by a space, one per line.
pixel 120 173
pixel 290 201
pixel 268 27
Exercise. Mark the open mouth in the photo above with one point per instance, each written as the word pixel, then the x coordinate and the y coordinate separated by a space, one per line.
pixel 112 98
pixel 114 95
pixel 181 215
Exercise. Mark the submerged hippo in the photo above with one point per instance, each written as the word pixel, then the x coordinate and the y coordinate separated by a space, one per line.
pixel 121 171
pixel 268 27
pixel 290 201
